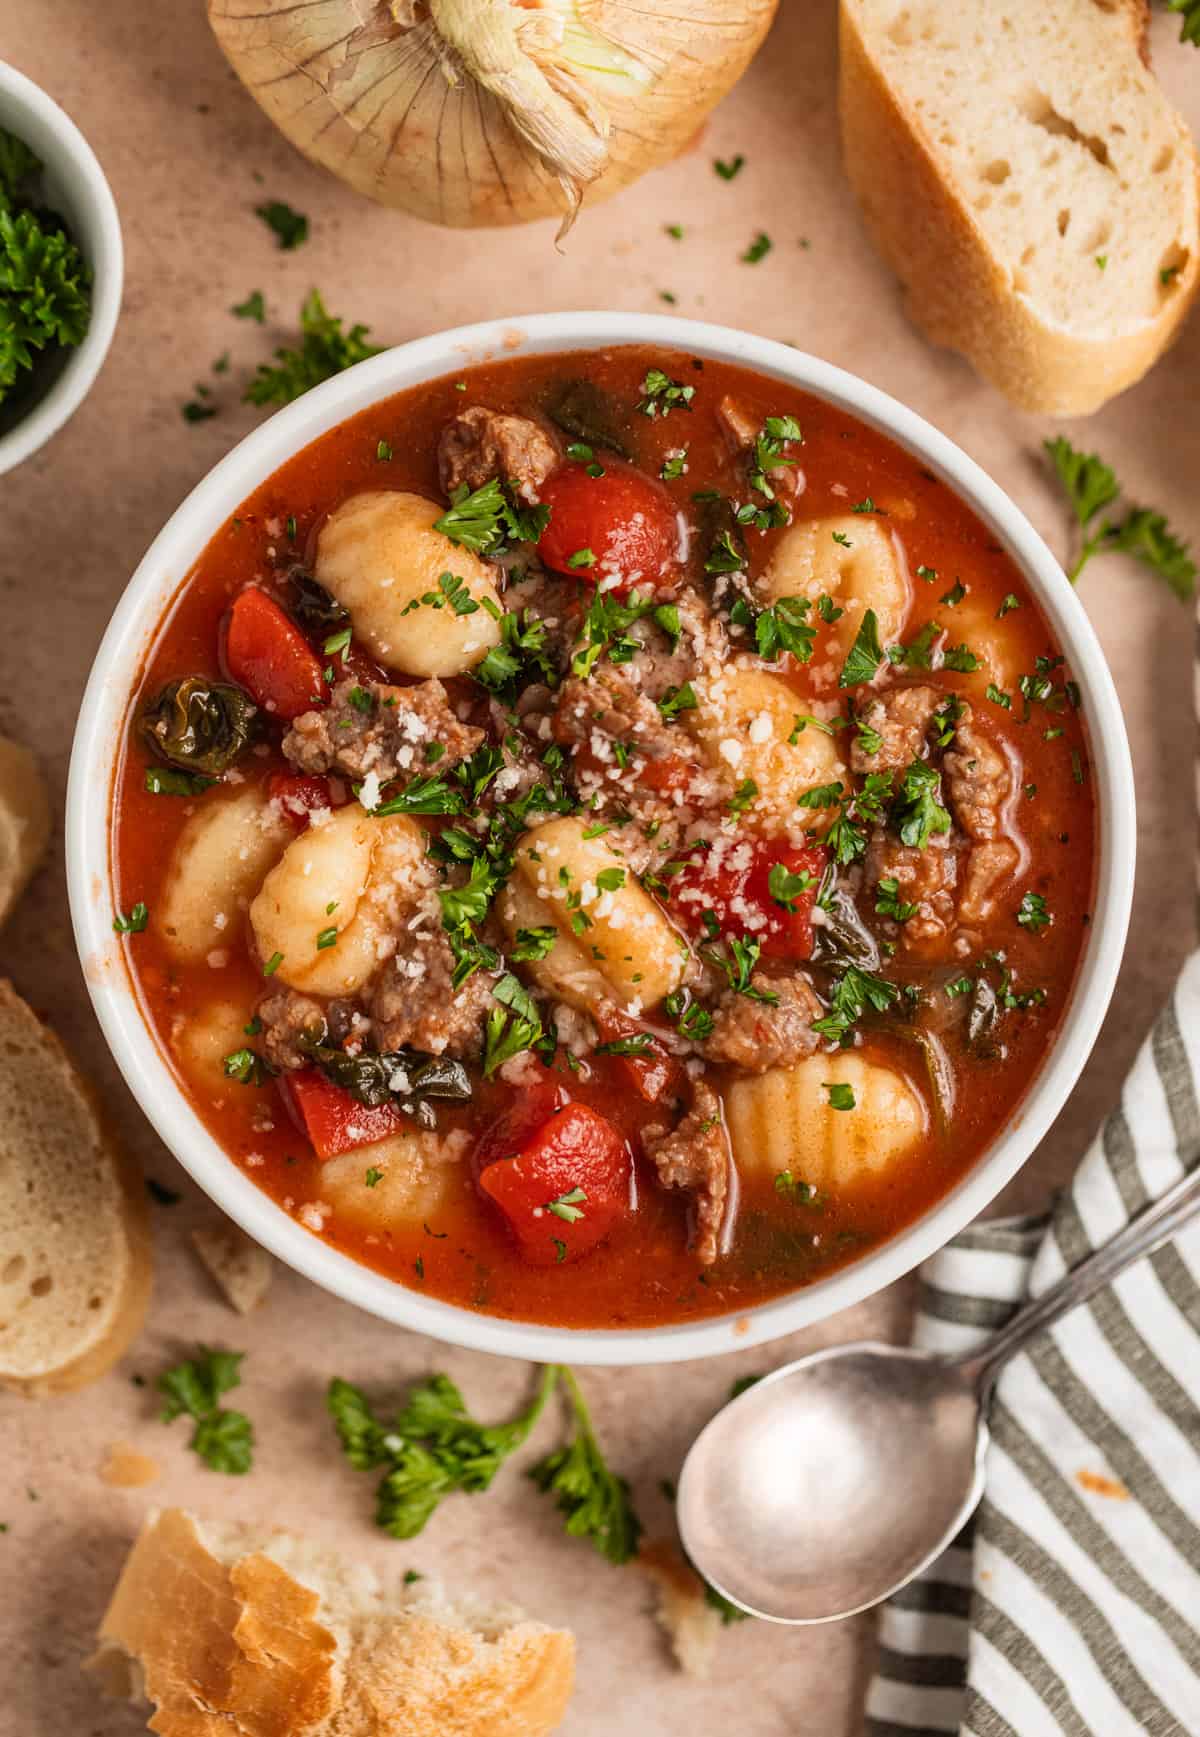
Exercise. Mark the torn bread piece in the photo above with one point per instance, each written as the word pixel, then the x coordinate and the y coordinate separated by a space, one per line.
pixel 689 1621
pixel 229 1631
pixel 74 1226
pixel 24 821
pixel 239 1267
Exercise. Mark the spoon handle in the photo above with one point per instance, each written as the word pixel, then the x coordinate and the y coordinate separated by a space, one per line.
pixel 1141 1236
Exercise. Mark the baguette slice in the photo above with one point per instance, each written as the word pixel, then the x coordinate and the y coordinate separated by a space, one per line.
pixel 232 1632
pixel 1021 170
pixel 74 1231
pixel 24 821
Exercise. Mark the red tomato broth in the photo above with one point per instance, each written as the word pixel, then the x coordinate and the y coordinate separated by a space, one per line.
pixel 643 1274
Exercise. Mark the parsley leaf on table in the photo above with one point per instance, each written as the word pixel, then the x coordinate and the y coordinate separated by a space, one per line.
pixel 1090 486
pixel 594 1500
pixel 223 1439
pixel 325 350
pixel 289 227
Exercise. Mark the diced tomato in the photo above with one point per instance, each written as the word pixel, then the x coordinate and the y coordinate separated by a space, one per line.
pixel 654 1074
pixel 734 884
pixel 268 655
pixel 333 1120
pixel 623 518
pixel 300 794
pixel 511 1130
pixel 565 1188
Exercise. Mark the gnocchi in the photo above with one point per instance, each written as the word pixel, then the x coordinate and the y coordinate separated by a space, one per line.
pixel 783 1120
pixel 378 554
pixel 613 939
pixel 856 561
pixel 745 721
pixel 219 860
pixel 201 1041
pixel 330 908
pixel 413 1175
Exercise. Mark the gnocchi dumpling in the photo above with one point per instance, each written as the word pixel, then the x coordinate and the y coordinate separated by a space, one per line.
pixel 783 1120
pixel 219 861
pixel 856 561
pixel 974 625
pixel 200 1042
pixel 413 1176
pixel 744 721
pixel 613 940
pixel 377 554
pixel 331 906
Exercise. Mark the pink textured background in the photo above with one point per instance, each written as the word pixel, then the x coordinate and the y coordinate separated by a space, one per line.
pixel 189 156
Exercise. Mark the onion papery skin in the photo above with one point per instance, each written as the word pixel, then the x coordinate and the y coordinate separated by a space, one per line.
pixel 489 112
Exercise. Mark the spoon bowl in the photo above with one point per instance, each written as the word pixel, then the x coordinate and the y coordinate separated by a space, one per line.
pixel 832 1481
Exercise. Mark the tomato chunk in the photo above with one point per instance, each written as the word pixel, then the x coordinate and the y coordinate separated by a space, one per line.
pixel 654 1073
pixel 734 884
pixel 333 1120
pixel 623 519
pixel 565 1188
pixel 300 795
pixel 269 656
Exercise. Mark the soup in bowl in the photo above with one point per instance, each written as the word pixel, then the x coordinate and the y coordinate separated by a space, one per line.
pixel 609 842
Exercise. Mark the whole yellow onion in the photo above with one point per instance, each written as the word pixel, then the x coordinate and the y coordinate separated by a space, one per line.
pixel 489 111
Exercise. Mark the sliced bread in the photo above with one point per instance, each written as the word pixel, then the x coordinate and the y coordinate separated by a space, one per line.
pixel 1021 170
pixel 234 1632
pixel 74 1233
pixel 24 821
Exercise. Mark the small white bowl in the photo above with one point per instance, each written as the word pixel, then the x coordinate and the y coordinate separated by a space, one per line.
pixel 101 731
pixel 76 189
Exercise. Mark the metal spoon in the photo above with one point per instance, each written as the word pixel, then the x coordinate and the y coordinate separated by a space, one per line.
pixel 832 1482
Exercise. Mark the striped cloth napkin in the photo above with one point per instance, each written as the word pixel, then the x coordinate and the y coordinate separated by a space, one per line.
pixel 1071 1602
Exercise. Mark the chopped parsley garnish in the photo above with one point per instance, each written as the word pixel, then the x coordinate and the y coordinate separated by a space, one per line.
pixel 661 394
pixel 785 887
pixel 637 1043
pixel 223 1439
pixel 852 994
pixel 197 411
pixel 960 658
pixel 865 655
pixel 728 168
pixel 998 697
pixel 743 796
pixel 582 558
pixel 691 1020
pixel 272 965
pixel 789 1187
pixel 676 700
pixel 955 594
pixel 918 655
pixel 289 227
pixel 520 657
pixel 383 450
pixel 253 308
pixel 841 1097
pixel 847 837
pixel 1033 914
pixel 758 249
pixel 821 796
pixel 134 923
pixel 247 1067
pixel 868 506
pixel 724 556
pixel 485 520
pixel 568 1206
pixel 738 967
pixel 326 939
pixel 1091 486
pixel 373 1177
pixel 784 627
pixel 430 794
pixel 325 350
pixel 888 902
pixel 918 814
pixel 1008 603
pixel 674 465
pixel 842 538
pixel 513 1026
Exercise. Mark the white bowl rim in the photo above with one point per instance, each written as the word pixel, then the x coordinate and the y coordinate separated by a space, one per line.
pixel 100 241
pixel 99 732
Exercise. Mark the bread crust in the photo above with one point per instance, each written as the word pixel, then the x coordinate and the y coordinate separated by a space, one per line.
pixel 241 1648
pixel 63 1078
pixel 24 821
pixel 956 290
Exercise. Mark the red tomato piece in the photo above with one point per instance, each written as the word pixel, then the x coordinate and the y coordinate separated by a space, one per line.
pixel 268 655
pixel 300 794
pixel 623 517
pixel 566 1187
pixel 734 884
pixel 333 1120
pixel 654 1074
pixel 514 1128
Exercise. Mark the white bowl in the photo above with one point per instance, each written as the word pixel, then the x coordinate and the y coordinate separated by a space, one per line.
pixel 76 189
pixel 98 741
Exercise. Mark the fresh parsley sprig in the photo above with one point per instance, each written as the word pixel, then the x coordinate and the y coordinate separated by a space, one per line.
pixel 1091 486
pixel 595 1502
pixel 325 350
pixel 223 1439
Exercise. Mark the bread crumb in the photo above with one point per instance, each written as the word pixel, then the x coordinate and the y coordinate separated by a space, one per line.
pixel 688 1620
pixel 241 1269
pixel 128 1469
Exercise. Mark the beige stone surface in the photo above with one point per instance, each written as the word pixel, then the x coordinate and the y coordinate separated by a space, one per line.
pixel 189 156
